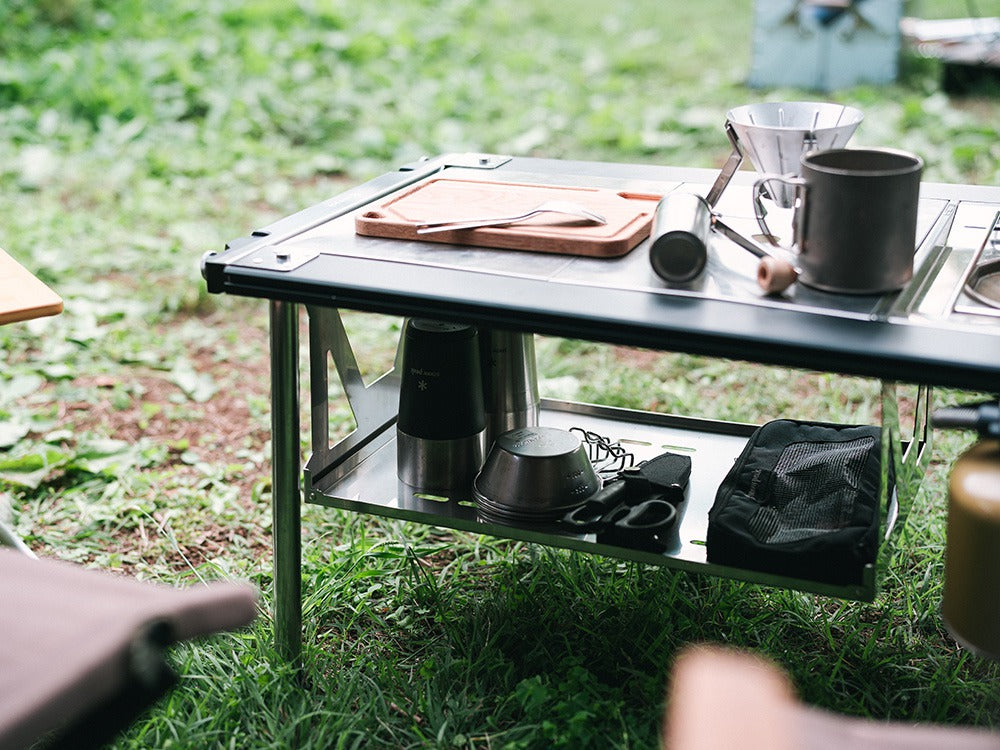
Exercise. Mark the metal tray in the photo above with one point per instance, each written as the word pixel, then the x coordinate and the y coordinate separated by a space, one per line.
pixel 371 487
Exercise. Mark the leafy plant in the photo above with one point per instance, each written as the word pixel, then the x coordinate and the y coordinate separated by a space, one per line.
pixel 139 134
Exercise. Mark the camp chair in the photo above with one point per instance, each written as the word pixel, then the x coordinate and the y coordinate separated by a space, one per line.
pixel 723 699
pixel 82 651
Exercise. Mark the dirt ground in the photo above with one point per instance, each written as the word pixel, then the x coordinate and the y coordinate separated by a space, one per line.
pixel 229 429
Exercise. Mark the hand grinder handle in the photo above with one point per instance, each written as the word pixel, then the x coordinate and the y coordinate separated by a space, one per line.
pixel 774 275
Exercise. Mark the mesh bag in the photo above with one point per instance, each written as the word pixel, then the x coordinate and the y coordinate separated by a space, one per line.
pixel 802 500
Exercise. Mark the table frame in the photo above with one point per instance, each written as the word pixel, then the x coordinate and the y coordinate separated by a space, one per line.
pixel 274 264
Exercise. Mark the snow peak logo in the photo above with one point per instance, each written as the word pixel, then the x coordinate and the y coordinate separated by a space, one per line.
pixel 528 440
pixel 420 372
pixel 758 474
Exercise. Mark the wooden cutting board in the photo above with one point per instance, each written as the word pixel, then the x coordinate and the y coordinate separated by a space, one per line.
pixel 629 217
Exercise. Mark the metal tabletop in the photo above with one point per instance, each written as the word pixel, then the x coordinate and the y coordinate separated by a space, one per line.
pixel 919 335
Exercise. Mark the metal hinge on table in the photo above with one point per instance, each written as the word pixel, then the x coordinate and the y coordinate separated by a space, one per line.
pixel 466 160
pixel 284 257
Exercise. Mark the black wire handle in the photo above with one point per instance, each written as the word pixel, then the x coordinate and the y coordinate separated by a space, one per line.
pixel 608 457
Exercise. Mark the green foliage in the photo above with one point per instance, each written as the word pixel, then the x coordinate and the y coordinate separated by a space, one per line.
pixel 334 79
pixel 139 134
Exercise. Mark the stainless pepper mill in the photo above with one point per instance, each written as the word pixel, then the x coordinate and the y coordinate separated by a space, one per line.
pixel 510 381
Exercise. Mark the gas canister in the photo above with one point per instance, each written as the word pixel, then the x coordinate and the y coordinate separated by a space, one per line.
pixel 971 602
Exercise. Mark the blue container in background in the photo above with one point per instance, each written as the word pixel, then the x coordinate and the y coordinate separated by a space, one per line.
pixel 825 45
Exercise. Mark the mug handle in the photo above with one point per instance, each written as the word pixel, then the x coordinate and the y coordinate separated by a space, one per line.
pixel 758 206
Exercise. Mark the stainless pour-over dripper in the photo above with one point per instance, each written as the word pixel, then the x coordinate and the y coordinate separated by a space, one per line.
pixel 774 135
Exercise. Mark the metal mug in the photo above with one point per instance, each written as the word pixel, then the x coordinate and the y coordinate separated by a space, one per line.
pixel 855 220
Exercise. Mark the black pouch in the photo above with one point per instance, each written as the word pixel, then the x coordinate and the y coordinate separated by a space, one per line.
pixel 802 500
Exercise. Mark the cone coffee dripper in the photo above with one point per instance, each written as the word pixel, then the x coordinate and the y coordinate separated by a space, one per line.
pixel 774 135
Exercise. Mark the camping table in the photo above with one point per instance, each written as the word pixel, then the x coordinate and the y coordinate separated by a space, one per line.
pixel 928 334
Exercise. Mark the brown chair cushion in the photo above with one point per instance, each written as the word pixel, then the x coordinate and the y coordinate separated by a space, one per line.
pixel 71 638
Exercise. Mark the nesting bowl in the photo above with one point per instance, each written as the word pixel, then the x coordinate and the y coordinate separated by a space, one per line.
pixel 534 474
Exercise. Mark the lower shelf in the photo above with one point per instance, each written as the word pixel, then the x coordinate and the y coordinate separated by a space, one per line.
pixel 371 487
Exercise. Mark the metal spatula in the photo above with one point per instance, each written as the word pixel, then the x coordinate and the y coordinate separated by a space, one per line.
pixel 567 208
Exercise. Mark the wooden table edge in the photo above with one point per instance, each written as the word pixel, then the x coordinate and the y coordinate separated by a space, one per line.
pixel 22 295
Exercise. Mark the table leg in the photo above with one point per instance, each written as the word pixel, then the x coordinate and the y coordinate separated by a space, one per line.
pixel 285 475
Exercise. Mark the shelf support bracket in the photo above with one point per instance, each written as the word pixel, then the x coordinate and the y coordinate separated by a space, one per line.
pixel 909 455
pixel 374 406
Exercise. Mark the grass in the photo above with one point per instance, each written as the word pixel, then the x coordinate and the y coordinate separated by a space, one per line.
pixel 133 428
